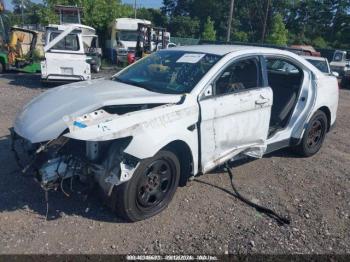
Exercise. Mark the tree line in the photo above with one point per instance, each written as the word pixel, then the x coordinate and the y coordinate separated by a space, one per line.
pixel 321 23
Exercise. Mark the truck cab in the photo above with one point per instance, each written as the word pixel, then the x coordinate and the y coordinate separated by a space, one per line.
pixel 124 35
pixel 341 64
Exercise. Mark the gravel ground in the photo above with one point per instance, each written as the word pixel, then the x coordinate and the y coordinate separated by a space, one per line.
pixel 202 218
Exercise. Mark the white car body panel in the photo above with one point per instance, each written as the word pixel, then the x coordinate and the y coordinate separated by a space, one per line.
pixel 232 123
pixel 66 101
pixel 229 125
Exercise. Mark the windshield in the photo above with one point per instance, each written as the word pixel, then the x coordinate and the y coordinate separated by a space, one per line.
pixel 170 72
pixel 320 65
pixel 127 35
pixel 338 56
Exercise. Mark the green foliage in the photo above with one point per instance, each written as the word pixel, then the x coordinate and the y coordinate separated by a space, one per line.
pixel 240 36
pixel 209 32
pixel 317 22
pixel 184 26
pixel 319 42
pixel 154 15
pixel 100 13
pixel 31 12
pixel 303 19
pixel 278 34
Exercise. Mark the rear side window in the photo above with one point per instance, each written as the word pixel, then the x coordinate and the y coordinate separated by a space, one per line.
pixel 239 76
pixel 280 65
pixel 320 65
pixel 69 43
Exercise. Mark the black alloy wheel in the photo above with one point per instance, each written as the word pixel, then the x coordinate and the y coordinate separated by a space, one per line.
pixel 314 135
pixel 150 189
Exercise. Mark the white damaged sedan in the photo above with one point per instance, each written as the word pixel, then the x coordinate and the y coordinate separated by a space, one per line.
pixel 172 115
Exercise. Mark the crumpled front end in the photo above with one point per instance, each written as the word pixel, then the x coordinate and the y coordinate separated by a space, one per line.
pixel 63 159
pixel 106 145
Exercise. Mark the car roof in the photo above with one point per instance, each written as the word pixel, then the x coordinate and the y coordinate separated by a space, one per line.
pixel 316 58
pixel 223 49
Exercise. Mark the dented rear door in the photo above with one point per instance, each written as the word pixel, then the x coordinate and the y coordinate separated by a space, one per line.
pixel 236 117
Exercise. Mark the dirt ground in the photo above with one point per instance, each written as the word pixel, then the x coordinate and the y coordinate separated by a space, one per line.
pixel 203 217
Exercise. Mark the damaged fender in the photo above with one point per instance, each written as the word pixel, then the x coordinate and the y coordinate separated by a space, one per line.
pixel 150 130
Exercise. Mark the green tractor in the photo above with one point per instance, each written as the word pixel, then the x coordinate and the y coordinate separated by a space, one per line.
pixel 19 51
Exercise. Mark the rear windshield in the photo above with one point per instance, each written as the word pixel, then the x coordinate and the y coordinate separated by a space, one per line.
pixel 70 42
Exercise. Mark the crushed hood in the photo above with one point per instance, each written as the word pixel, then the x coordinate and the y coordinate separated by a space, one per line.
pixel 42 118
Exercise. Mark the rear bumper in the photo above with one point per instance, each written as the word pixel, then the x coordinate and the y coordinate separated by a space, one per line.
pixel 62 78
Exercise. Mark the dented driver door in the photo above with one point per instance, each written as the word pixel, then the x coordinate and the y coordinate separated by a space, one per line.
pixel 235 113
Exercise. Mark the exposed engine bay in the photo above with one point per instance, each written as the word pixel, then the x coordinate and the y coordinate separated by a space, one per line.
pixel 56 161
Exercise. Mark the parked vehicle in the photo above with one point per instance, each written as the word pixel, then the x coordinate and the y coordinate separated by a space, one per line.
pixel 130 38
pixel 321 63
pixel 172 115
pixel 71 53
pixel 21 53
pixel 150 39
pixel 341 64
pixel 72 50
pixel 307 50
pixel 19 47
pixel 124 35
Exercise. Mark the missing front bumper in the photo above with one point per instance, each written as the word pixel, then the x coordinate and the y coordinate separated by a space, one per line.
pixel 53 162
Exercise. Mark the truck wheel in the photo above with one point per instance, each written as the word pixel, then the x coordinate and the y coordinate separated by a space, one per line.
pixel 151 188
pixel 314 135
pixel 2 68
pixel 95 68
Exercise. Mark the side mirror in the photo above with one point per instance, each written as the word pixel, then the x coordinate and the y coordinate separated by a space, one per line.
pixel 336 74
pixel 208 91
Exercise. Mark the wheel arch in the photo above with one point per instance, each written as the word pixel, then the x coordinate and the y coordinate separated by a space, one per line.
pixel 327 112
pixel 183 151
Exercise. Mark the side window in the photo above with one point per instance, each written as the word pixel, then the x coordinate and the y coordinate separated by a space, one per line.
pixel 240 75
pixel 280 65
pixel 284 77
pixel 70 42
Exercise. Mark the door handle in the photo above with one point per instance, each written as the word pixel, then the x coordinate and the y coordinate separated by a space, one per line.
pixel 261 101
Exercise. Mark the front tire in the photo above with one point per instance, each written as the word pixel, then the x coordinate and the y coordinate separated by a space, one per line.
pixel 151 188
pixel 314 135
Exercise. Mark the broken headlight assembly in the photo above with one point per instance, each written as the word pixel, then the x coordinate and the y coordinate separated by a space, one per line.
pixel 55 161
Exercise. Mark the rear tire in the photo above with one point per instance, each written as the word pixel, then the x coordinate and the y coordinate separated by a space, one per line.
pixel 150 189
pixel 314 135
